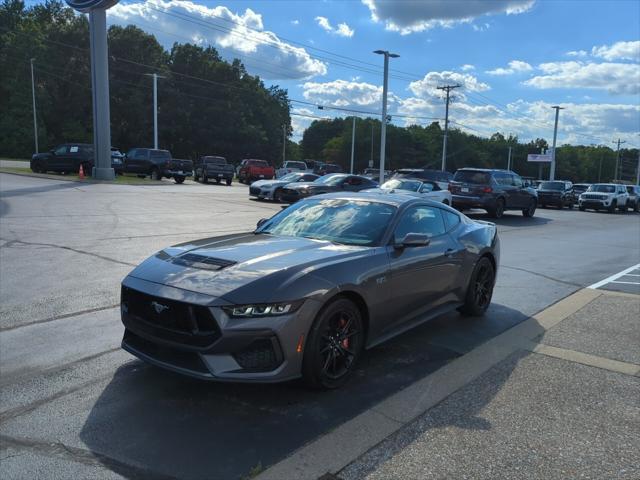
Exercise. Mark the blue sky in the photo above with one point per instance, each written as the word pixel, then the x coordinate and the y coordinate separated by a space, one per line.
pixel 513 58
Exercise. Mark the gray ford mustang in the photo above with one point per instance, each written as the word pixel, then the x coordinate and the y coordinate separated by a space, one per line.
pixel 309 289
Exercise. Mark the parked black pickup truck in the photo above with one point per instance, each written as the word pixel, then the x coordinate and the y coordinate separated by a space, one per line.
pixel 212 167
pixel 157 164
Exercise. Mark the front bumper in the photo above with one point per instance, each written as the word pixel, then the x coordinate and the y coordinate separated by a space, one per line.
pixel 550 200
pixel 262 194
pixel 237 350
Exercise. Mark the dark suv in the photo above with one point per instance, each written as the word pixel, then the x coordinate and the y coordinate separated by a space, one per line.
pixel 558 193
pixel 634 197
pixel 492 190
pixel 64 158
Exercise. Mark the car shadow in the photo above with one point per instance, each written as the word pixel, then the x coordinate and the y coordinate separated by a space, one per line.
pixel 163 424
pixel 511 219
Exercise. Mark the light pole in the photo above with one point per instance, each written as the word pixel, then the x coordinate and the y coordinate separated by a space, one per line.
pixel 509 160
pixel 33 97
pixel 383 128
pixel 618 157
pixel 284 143
pixel 353 141
pixel 155 77
pixel 552 172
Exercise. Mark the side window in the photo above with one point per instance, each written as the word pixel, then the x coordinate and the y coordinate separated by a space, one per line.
pixel 502 178
pixel 131 153
pixel 425 220
pixel 517 181
pixel 451 220
pixel 354 181
pixel 61 150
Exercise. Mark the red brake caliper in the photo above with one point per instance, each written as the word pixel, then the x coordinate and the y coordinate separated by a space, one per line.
pixel 345 342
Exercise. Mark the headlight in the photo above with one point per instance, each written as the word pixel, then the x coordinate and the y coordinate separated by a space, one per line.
pixel 262 310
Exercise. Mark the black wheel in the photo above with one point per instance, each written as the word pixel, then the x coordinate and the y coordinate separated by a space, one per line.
pixel 155 174
pixel 636 207
pixel 277 195
pixel 37 168
pixel 544 205
pixel 205 179
pixel 228 181
pixel 612 207
pixel 480 289
pixel 179 179
pixel 622 209
pixel 531 209
pixel 498 210
pixel 334 345
pixel 218 180
pixel 195 177
pixel 581 208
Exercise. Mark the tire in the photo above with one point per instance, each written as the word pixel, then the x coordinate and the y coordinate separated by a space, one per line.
pixel 205 179
pixel 86 169
pixel 612 207
pixel 196 178
pixel 622 208
pixel 37 168
pixel 581 208
pixel 155 175
pixel 218 181
pixel 531 210
pixel 179 179
pixel 229 181
pixel 544 205
pixel 498 210
pixel 277 195
pixel 636 207
pixel 334 345
pixel 480 289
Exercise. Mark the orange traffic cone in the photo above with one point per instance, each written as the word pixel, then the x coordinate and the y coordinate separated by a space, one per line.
pixel 81 173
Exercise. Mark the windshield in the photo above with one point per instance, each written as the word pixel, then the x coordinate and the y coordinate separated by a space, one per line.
pixel 602 188
pixel 160 154
pixel 257 163
pixel 290 177
pixel 336 220
pixel 471 176
pixel 300 165
pixel 215 160
pixel 330 179
pixel 398 184
pixel 552 186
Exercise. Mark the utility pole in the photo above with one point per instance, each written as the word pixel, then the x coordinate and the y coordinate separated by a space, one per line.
pixel 353 141
pixel 618 156
pixel 371 164
pixel 383 129
pixel 155 77
pixel 600 166
pixel 638 170
pixel 446 88
pixel 284 143
pixel 552 172
pixel 33 97
pixel 509 160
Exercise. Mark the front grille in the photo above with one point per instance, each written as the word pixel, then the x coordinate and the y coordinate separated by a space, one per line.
pixel 202 261
pixel 254 191
pixel 588 196
pixel 187 360
pixel 261 355
pixel 168 320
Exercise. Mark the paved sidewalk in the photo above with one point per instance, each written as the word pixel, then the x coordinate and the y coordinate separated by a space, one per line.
pixel 555 397
pixel 567 406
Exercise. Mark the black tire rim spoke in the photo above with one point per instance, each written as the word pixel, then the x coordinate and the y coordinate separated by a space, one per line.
pixel 338 345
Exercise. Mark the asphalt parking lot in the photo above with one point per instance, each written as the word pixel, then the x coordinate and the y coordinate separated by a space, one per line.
pixel 74 404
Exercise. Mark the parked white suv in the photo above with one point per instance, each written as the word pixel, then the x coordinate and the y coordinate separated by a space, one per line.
pixel 291 166
pixel 604 196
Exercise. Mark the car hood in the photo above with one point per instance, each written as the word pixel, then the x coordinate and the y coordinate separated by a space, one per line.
pixel 268 183
pixel 244 268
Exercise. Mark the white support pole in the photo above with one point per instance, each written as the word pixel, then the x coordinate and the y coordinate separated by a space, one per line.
pixel 353 142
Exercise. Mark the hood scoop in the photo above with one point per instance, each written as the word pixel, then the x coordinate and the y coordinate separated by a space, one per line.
pixel 203 262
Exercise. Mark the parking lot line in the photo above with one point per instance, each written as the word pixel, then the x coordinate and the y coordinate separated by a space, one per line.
pixel 614 277
pixel 626 283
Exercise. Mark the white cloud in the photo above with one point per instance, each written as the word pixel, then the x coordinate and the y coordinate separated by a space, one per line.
pixel 577 53
pixel 515 66
pixel 427 87
pixel 295 22
pixel 616 78
pixel 343 93
pixel 342 30
pixel 481 28
pixel 618 51
pixel 467 67
pixel 233 34
pixel 417 16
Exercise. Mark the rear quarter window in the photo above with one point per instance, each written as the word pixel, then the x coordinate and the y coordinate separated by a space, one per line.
pixel 451 220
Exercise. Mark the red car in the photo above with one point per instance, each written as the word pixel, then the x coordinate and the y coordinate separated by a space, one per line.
pixel 252 170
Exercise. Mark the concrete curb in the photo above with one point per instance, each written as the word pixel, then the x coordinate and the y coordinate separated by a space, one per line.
pixel 336 449
pixel 86 181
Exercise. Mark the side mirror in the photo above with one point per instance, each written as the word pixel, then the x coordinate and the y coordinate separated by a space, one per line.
pixel 261 222
pixel 413 240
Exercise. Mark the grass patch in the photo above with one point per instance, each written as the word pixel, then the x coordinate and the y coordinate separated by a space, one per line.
pixel 15 159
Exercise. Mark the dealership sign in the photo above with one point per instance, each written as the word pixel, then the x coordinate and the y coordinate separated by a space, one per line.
pixel 534 157
pixel 85 6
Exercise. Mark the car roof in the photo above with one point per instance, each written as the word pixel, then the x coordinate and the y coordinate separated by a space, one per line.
pixel 396 199
pixel 489 170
